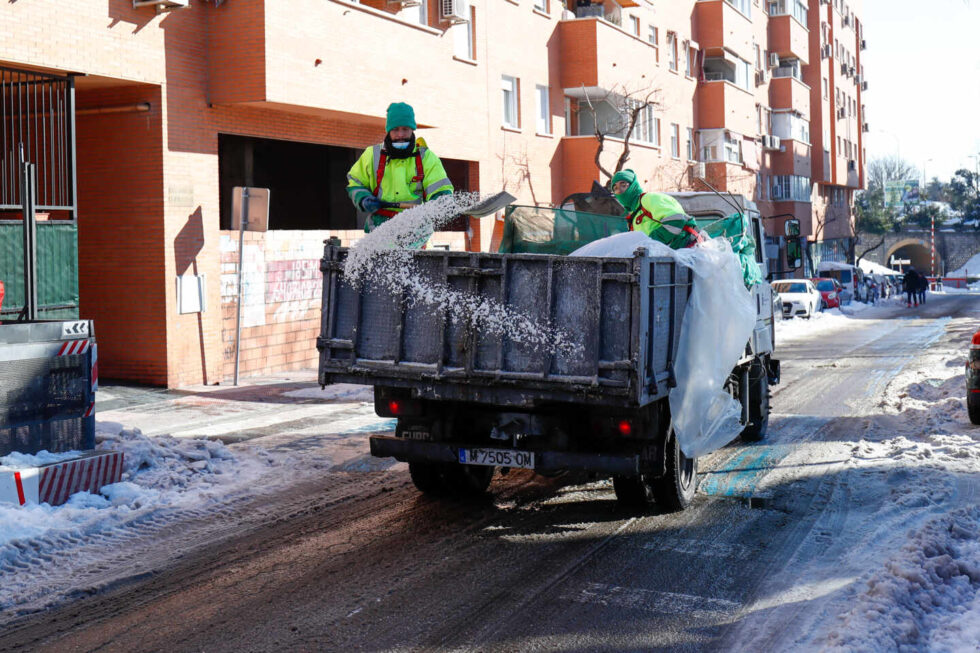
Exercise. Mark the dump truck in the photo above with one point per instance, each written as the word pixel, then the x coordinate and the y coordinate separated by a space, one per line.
pixel 48 354
pixel 468 401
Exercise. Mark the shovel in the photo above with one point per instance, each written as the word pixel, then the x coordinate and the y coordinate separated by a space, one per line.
pixel 483 208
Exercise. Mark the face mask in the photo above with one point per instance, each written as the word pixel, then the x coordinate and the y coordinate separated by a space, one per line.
pixel 401 145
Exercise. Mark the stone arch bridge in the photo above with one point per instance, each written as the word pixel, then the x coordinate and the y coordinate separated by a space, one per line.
pixel 953 249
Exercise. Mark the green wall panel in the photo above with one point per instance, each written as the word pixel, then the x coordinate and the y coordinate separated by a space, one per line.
pixel 57 269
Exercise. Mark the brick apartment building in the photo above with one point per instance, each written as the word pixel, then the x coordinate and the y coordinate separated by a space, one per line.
pixel 178 101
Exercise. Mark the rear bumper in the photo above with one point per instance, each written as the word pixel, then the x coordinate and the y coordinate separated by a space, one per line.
pixel 404 450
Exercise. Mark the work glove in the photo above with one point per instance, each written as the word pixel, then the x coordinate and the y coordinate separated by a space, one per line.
pixel 370 204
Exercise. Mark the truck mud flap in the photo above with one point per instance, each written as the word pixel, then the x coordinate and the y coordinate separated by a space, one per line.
pixel 384 446
pixel 773 371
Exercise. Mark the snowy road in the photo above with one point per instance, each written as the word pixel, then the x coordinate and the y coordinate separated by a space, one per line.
pixel 854 526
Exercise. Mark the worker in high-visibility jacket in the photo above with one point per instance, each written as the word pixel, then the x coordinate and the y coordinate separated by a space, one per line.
pixel 657 215
pixel 401 169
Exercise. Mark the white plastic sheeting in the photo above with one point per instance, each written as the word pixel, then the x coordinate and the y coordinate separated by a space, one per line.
pixel 718 322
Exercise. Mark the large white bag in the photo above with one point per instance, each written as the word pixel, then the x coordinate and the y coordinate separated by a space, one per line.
pixel 717 324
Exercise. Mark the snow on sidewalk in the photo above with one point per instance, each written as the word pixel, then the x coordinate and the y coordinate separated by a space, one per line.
pixel 893 561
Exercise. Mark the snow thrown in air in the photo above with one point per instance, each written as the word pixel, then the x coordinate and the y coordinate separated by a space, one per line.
pixel 385 258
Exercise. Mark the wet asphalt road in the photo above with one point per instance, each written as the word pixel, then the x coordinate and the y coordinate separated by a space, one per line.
pixel 360 561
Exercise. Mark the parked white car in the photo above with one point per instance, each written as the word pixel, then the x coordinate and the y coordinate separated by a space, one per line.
pixel 799 297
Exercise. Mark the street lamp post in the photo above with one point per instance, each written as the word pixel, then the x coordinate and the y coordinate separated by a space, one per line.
pixel 932 222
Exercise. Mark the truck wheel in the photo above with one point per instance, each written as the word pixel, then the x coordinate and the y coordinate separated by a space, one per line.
pixel 675 490
pixel 758 424
pixel 427 477
pixel 467 480
pixel 973 406
pixel 633 492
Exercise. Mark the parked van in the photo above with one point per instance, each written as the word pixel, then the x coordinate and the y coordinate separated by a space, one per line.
pixel 850 277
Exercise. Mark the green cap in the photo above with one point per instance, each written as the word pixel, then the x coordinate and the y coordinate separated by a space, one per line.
pixel 400 115
pixel 631 196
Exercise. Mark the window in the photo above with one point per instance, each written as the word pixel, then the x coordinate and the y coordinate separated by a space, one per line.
pixel 720 145
pixel 764 120
pixel 791 126
pixel 793 188
pixel 656 131
pixel 758 56
pixel 688 61
pixel 635 25
pixel 789 68
pixel 672 50
pixel 643 129
pixel 730 69
pixel 675 141
pixel 541 5
pixel 795 8
pixel 826 89
pixel 653 36
pixel 691 149
pixel 464 45
pixel 568 116
pixel 512 102
pixel 544 110
pixel 742 5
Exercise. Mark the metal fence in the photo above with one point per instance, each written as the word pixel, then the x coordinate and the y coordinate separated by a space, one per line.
pixel 37 124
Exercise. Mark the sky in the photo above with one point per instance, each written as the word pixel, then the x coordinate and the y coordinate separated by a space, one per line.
pixel 923 71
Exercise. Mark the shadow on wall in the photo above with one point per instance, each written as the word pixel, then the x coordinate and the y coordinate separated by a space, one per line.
pixel 187 246
pixel 122 11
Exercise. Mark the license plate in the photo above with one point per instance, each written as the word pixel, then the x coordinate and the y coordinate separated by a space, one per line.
pixel 497 458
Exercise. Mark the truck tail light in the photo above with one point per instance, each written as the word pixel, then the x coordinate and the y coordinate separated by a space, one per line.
pixel 625 427
pixel 399 408
pixel 975 343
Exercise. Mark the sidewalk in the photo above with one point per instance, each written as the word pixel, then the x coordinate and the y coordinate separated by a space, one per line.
pixel 257 407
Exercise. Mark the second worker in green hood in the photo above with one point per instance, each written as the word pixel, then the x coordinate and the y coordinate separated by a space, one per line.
pixel 657 215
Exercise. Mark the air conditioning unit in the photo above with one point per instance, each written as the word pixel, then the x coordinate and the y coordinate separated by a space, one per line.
pixel 162 5
pixel 841 113
pixel 843 69
pixel 826 51
pixel 452 11
pixel 761 77
pixel 864 86
pixel 865 128
pixel 851 71
pixel 847 21
pixel 770 142
pixel 698 171
pixel 864 44
pixel 773 60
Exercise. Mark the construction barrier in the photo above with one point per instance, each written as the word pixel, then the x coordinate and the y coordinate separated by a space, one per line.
pixel 54 483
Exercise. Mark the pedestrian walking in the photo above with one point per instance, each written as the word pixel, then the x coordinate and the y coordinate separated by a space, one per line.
pixel 910 281
pixel 923 286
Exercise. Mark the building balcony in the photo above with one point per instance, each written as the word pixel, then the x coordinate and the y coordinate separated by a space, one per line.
pixel 792 158
pixel 723 105
pixel 284 55
pixel 573 169
pixel 721 27
pixel 789 38
pixel 789 93
pixel 595 54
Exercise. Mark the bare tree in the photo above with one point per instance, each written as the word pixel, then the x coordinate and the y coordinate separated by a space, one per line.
pixel 629 107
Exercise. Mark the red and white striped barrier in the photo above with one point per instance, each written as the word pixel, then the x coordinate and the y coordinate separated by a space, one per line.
pixel 56 482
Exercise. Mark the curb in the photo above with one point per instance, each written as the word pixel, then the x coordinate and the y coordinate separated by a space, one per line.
pixel 55 482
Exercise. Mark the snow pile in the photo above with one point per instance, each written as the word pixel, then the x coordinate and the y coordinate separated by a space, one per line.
pixel 925 597
pixel 970 268
pixel 17 460
pixel 164 480
pixel 833 319
pixel 623 246
pixel 384 258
